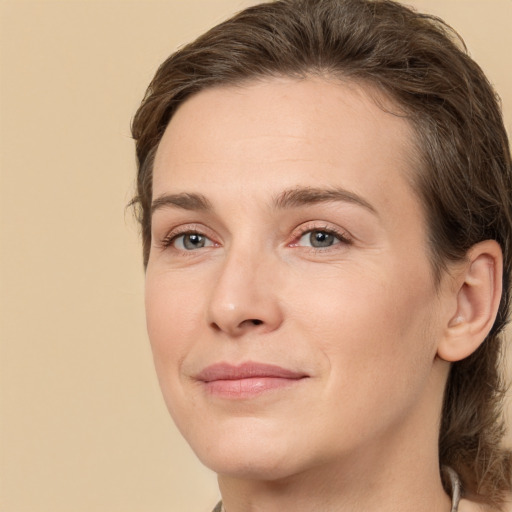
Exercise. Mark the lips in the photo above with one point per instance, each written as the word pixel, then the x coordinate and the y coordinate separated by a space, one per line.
pixel 247 380
pixel 225 371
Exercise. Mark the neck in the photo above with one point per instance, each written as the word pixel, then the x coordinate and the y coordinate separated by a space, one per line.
pixel 397 473
pixel 375 486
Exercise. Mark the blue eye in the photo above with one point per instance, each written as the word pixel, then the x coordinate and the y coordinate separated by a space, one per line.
pixel 319 238
pixel 191 241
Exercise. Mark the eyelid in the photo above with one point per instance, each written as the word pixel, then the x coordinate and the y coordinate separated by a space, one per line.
pixel 171 236
pixel 343 236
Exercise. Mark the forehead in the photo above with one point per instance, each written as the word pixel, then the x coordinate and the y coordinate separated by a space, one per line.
pixel 278 133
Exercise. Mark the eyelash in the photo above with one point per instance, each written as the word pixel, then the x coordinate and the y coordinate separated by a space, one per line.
pixel 341 236
pixel 169 240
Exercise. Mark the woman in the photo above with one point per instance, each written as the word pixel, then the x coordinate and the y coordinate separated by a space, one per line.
pixel 324 191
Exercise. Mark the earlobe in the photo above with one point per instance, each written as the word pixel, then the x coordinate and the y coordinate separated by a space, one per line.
pixel 478 293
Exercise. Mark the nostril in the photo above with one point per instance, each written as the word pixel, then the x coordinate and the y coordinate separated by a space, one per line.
pixel 215 327
pixel 256 321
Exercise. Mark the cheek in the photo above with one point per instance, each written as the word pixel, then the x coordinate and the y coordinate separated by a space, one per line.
pixel 171 317
pixel 173 320
pixel 370 324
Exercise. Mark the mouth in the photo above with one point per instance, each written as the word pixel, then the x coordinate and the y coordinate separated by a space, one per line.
pixel 247 380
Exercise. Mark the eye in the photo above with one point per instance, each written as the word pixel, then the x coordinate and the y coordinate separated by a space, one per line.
pixel 189 241
pixel 320 238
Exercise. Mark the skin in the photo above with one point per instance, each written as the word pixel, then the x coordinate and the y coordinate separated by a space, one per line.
pixel 361 318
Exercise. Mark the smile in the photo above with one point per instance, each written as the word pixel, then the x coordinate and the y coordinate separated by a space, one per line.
pixel 247 380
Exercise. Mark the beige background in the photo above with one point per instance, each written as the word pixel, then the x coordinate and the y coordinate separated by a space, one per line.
pixel 82 424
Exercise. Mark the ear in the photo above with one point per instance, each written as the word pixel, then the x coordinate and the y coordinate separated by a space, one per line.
pixel 478 294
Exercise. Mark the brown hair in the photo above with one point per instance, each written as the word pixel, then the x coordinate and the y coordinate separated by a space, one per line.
pixel 465 181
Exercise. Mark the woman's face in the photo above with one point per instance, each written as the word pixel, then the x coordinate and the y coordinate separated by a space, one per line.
pixel 290 302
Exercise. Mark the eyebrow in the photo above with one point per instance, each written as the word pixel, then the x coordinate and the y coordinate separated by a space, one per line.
pixel 292 198
pixel 184 201
pixel 296 197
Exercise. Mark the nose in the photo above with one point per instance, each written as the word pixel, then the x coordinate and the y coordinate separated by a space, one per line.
pixel 244 298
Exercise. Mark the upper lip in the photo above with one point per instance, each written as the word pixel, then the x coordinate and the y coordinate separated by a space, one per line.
pixel 226 371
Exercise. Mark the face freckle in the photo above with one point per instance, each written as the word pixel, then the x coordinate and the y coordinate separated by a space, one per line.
pixel 306 326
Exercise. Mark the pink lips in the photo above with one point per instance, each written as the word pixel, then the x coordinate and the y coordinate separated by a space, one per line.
pixel 246 380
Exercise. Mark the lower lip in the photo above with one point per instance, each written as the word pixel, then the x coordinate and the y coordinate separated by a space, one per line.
pixel 249 387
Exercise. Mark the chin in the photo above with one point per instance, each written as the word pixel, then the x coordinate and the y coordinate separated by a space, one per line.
pixel 246 456
pixel 250 468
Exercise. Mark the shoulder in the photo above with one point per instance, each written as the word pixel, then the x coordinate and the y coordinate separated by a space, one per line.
pixel 507 506
pixel 466 505
pixel 218 507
